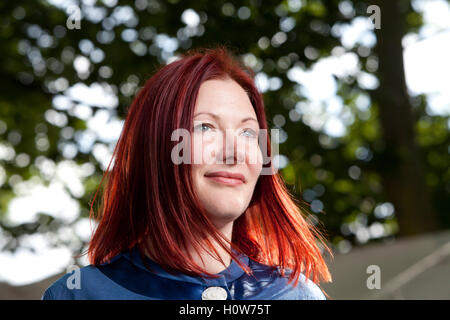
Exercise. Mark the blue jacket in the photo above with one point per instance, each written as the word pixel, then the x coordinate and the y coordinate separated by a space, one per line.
pixel 125 277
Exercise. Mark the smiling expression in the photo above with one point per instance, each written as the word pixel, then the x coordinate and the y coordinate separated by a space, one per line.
pixel 225 138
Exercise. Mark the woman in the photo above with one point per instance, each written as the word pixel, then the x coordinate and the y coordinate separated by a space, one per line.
pixel 190 209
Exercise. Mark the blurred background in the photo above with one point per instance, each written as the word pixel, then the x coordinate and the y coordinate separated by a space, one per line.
pixel 360 91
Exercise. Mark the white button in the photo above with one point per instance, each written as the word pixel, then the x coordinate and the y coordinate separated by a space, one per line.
pixel 214 293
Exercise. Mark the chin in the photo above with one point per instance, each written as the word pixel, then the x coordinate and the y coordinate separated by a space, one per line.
pixel 228 214
pixel 228 205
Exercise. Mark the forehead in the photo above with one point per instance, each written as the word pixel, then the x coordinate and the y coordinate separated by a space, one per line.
pixel 223 96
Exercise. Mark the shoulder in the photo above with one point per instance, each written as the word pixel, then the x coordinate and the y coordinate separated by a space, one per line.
pixel 69 286
pixel 306 289
pixel 278 287
pixel 56 291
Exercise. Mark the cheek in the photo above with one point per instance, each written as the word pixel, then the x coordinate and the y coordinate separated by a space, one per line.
pixel 254 163
pixel 254 173
pixel 253 157
pixel 202 154
pixel 203 149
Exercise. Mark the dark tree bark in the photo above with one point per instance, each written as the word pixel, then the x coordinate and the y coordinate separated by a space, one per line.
pixel 402 171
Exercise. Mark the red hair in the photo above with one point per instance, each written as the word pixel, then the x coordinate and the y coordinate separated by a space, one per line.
pixel 150 202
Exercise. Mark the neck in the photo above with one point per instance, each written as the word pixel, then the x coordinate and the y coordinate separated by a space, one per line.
pixel 210 264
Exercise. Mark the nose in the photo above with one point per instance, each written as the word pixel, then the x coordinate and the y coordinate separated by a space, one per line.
pixel 231 152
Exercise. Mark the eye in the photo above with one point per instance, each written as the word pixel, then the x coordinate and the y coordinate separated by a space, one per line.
pixel 249 133
pixel 203 127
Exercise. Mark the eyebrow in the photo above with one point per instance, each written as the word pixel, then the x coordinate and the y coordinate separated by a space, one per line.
pixel 215 116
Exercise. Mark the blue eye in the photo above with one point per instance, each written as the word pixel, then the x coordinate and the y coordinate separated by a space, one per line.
pixel 203 127
pixel 250 133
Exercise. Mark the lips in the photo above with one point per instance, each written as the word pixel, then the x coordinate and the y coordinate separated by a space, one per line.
pixel 226 177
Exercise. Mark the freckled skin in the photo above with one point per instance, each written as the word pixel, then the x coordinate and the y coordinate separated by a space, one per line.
pixel 212 143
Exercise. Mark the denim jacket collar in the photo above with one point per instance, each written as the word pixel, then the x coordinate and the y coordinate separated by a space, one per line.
pixel 231 273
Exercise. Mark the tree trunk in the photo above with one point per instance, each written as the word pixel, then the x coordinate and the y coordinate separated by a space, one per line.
pixel 402 172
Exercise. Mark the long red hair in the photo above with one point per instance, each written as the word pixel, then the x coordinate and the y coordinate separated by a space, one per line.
pixel 150 202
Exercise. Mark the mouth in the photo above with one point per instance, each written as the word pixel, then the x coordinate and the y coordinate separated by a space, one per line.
pixel 226 178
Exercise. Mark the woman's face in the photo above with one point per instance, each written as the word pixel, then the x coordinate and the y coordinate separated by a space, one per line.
pixel 224 143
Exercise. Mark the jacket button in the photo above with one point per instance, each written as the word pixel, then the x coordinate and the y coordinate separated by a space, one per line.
pixel 214 293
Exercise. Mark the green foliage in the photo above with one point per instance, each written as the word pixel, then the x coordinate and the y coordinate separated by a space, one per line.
pixel 343 174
